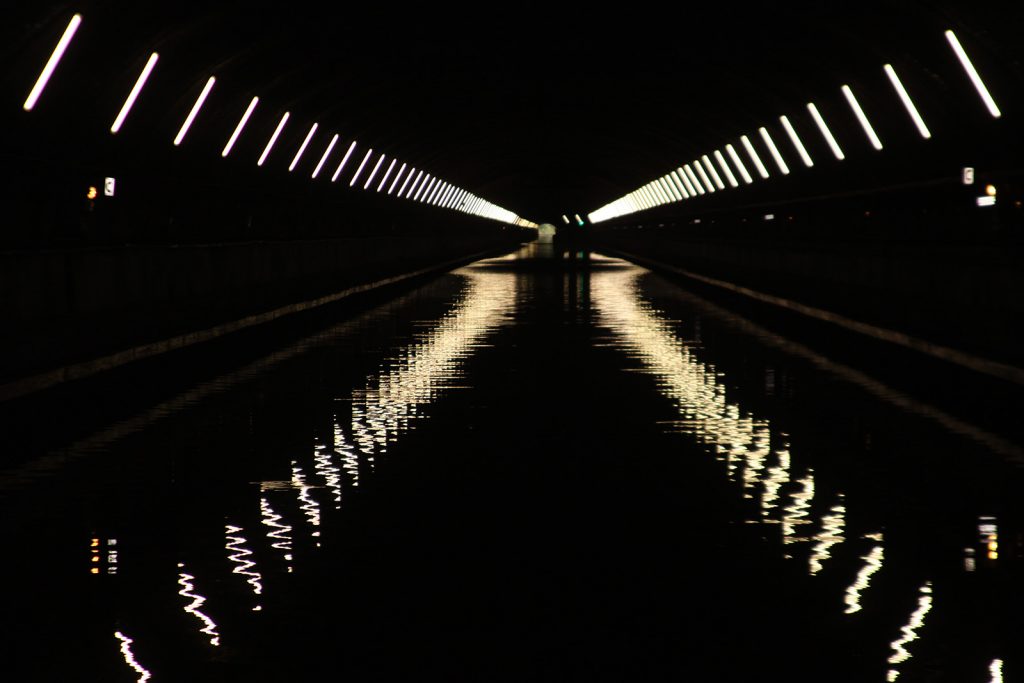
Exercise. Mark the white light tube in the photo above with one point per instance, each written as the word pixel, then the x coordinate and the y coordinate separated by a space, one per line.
pixel 693 179
pixel 413 188
pixel 373 173
pixel 739 164
pixel 972 73
pixel 398 176
pixel 680 185
pixel 273 139
pixel 344 161
pixel 862 117
pixel 825 132
pixel 51 63
pixel 323 159
pixel 362 165
pixel 725 169
pixel 686 181
pixel 797 143
pixel 195 111
pixel 779 161
pixel 383 180
pixel 423 186
pixel 241 124
pixel 401 190
pixel 305 143
pixel 714 174
pixel 908 103
pixel 134 94
pixel 752 153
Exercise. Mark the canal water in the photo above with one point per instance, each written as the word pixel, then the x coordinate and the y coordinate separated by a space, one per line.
pixel 540 467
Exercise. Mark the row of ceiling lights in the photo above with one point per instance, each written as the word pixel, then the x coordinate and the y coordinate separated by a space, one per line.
pixel 701 177
pixel 415 184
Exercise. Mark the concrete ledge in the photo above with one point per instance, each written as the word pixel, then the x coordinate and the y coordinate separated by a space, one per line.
pixel 66 373
pixel 970 361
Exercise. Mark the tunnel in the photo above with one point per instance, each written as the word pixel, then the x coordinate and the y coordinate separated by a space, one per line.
pixel 523 342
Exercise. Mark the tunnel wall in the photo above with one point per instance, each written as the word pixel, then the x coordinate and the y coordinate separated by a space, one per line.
pixel 68 305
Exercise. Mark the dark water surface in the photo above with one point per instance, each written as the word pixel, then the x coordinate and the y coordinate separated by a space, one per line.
pixel 522 472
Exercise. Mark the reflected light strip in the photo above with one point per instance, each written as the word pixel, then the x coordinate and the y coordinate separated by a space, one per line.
pixel 862 117
pixel 327 153
pixel 129 657
pixel 344 161
pixel 703 176
pixel 398 176
pixel 725 169
pixel 241 124
pixel 995 670
pixel 972 73
pixel 239 556
pixel 797 143
pixel 52 62
pixel 302 148
pixel 401 190
pixel 195 111
pixel 825 132
pixel 714 174
pixel 693 179
pixel 387 173
pixel 873 562
pixel 752 153
pixel 779 161
pixel 900 653
pixel 679 184
pixel 187 588
pixel 373 173
pixel 739 164
pixel 831 534
pixel 362 165
pixel 908 103
pixel 134 94
pixel 273 139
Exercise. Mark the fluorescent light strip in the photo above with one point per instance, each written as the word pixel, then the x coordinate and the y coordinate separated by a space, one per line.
pixel 714 174
pixel 972 73
pixel 436 187
pixel 401 190
pixel 703 175
pixel 693 179
pixel 383 180
pixel 652 199
pixel 195 111
pixel 795 139
pixel 443 202
pixel 52 62
pixel 305 143
pixel 686 181
pixel 436 194
pixel 680 185
pixel 241 124
pixel 134 94
pixel 779 161
pixel 413 188
pixel 671 187
pixel 907 102
pixel 739 164
pixel 273 139
pixel 423 186
pixel 344 161
pixel 452 196
pixel 666 190
pixel 359 170
pixel 373 173
pixel 825 132
pixel 453 202
pixel 664 198
pixel 752 153
pixel 862 117
pixel 323 159
pixel 725 169
pixel 398 176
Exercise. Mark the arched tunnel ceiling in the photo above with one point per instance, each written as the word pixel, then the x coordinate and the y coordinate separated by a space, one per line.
pixel 541 108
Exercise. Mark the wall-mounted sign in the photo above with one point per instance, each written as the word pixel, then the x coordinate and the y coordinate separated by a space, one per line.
pixel 968 175
pixel 108 187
